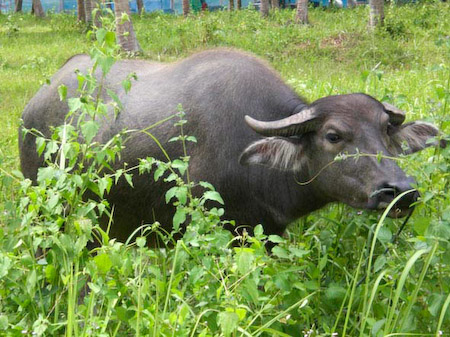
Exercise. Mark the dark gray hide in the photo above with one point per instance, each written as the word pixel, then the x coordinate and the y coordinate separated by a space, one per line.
pixel 256 176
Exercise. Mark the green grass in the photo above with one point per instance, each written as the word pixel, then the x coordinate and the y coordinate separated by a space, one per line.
pixel 201 286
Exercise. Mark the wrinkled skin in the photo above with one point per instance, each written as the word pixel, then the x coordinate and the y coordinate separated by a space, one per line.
pixel 256 176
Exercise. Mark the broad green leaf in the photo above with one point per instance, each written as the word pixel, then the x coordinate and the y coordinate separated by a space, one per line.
pixel 380 262
pixel 276 239
pixel 115 98
pixel 228 322
pixel 89 130
pixel 180 165
pixel 106 63
pixel 103 263
pixel 179 217
pixel 244 260
pixel 280 252
pixel 129 178
pixel 100 35
pixel 62 91
pixel 3 322
pixel 213 195
pixel 141 241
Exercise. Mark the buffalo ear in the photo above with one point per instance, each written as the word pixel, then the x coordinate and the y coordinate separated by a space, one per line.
pixel 413 137
pixel 274 152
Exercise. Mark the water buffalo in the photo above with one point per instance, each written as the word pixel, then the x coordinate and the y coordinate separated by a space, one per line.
pixel 256 139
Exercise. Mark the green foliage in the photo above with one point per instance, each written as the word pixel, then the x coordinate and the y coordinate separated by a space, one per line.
pixel 209 283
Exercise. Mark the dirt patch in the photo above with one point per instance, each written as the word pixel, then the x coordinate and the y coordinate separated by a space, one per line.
pixel 338 41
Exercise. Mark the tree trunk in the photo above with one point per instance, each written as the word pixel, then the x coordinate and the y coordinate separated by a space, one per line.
pixel 124 28
pixel 81 13
pixel 186 7
pixel 264 8
pixel 238 4
pixel 376 16
pixel 302 12
pixel 89 6
pixel 18 7
pixel 275 4
pixel 37 9
pixel 231 5
pixel 61 6
pixel 140 6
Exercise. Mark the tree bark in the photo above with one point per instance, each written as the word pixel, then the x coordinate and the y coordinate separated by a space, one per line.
pixel 140 6
pixel 18 6
pixel 376 16
pixel 37 9
pixel 186 7
pixel 275 4
pixel 88 8
pixel 264 8
pixel 81 13
pixel 231 5
pixel 126 36
pixel 238 4
pixel 302 12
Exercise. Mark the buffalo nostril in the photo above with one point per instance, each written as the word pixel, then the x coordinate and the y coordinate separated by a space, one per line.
pixel 389 191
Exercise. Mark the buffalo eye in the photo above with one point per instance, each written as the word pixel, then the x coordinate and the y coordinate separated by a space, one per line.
pixel 333 138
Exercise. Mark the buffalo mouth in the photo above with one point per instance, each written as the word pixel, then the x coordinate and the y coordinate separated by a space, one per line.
pixel 382 199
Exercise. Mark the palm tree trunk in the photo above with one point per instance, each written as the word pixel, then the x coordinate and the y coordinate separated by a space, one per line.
pixel 376 16
pixel 140 6
pixel 18 7
pixel 302 12
pixel 125 31
pixel 186 7
pixel 231 5
pixel 264 8
pixel 81 14
pixel 37 9
pixel 238 4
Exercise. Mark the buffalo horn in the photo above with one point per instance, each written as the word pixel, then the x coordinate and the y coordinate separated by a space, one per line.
pixel 302 122
pixel 396 116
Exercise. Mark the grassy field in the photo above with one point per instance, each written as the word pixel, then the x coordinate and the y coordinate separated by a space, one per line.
pixel 308 286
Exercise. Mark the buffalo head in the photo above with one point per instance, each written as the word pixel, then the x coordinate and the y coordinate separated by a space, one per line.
pixel 308 142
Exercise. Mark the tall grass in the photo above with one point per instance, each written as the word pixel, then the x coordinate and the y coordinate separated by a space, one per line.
pixel 203 285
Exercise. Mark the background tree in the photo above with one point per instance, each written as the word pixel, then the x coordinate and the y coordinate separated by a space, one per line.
pixel 37 9
pixel 231 5
pixel 18 6
pixel 89 6
pixel 81 13
pixel 302 12
pixel 186 7
pixel 376 16
pixel 140 6
pixel 264 8
pixel 126 36
pixel 238 4
pixel 275 4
